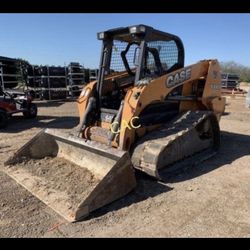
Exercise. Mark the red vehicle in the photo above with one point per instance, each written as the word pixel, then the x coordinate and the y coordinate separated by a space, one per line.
pixel 15 103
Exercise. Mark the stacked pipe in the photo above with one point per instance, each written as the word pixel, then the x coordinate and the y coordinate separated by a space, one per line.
pixel 33 76
pixel 47 82
pixel 33 79
pixel 76 78
pixel 229 81
pixel 9 73
pixel 53 82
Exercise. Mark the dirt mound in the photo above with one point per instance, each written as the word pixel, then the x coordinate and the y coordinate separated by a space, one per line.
pixel 57 174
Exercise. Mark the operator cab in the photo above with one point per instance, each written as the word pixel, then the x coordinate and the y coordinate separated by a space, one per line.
pixel 131 54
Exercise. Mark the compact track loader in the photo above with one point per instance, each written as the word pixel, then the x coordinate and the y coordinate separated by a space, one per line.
pixel 146 111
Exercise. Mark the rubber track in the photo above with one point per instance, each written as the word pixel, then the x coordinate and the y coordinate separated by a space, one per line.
pixel 145 154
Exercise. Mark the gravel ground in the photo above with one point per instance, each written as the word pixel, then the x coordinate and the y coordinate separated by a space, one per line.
pixel 210 200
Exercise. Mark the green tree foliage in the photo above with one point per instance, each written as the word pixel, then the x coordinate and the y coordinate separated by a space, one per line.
pixel 236 68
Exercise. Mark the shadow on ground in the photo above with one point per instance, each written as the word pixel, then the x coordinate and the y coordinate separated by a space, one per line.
pixel 146 187
pixel 52 103
pixel 233 147
pixel 19 123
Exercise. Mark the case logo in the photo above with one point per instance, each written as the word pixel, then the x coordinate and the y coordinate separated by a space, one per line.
pixel 178 78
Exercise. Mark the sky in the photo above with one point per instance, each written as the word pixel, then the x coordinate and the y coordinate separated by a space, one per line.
pixel 57 39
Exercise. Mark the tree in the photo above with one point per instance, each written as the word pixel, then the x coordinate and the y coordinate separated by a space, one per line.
pixel 236 68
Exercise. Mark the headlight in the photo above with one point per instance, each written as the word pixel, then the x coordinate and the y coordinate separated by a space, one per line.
pixel 132 29
pixel 101 35
pixel 137 29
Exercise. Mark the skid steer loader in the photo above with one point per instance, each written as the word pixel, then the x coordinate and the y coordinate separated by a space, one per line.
pixel 146 111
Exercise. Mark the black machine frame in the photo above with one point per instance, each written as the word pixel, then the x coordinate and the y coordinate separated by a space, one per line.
pixel 140 35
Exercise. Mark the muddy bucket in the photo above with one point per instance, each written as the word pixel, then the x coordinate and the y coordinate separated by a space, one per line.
pixel 72 176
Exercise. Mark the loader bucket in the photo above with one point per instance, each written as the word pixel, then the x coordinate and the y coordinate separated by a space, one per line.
pixel 72 176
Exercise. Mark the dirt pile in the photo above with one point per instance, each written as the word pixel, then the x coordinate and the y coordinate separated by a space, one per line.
pixel 57 174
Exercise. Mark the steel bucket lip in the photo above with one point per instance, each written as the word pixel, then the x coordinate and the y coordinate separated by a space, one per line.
pixel 92 146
